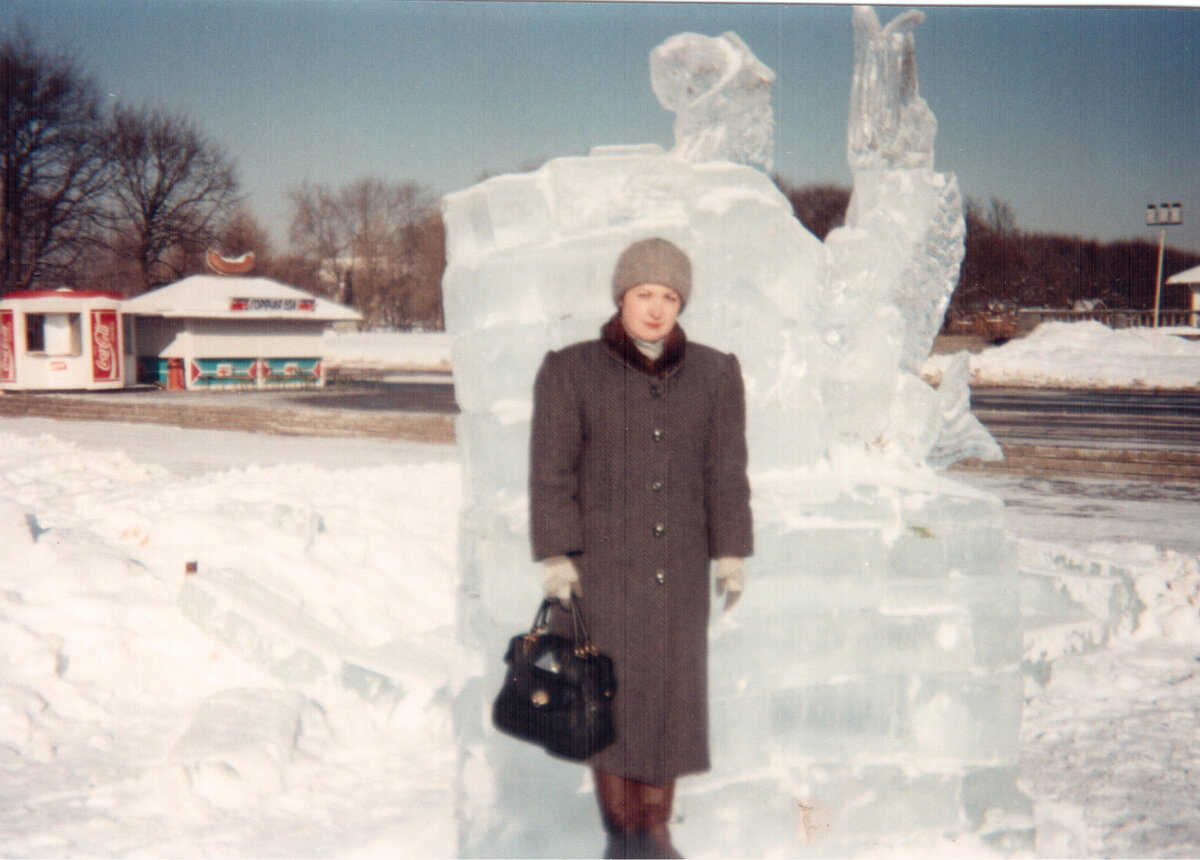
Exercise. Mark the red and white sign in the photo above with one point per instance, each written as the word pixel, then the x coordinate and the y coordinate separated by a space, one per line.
pixel 285 305
pixel 8 356
pixel 106 359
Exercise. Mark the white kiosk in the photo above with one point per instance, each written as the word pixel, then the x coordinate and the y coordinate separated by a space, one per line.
pixel 61 340
pixel 227 332
pixel 1191 278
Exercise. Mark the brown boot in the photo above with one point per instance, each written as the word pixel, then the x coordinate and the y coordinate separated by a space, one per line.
pixel 656 803
pixel 618 799
pixel 636 816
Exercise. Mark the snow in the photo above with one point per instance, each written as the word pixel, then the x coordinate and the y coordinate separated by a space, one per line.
pixel 406 351
pixel 136 722
pixel 1087 355
pixel 126 729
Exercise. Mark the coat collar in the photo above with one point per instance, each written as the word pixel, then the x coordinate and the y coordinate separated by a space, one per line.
pixel 618 342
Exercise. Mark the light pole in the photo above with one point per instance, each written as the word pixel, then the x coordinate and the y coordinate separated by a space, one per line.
pixel 1164 216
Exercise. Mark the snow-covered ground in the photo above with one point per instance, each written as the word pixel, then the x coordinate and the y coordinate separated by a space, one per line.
pixel 409 351
pixel 1088 355
pixel 148 712
pixel 291 697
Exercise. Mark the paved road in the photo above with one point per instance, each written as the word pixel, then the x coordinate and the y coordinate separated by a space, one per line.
pixel 1126 420
pixel 425 396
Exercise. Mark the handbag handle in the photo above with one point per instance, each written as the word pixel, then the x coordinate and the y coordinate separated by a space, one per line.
pixel 581 641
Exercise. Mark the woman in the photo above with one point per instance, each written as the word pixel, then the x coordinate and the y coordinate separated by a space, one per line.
pixel 637 480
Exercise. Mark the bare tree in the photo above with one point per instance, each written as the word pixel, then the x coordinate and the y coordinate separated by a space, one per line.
pixel 1001 218
pixel 172 189
pixel 820 208
pixel 367 243
pixel 242 232
pixel 425 296
pixel 53 169
pixel 320 240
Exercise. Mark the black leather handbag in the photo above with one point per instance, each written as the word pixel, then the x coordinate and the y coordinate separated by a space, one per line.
pixel 558 691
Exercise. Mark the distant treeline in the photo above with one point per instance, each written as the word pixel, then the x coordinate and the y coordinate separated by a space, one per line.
pixel 1004 264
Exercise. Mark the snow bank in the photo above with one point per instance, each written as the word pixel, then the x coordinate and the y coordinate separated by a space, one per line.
pixel 406 351
pixel 1084 355
pixel 1077 599
pixel 148 711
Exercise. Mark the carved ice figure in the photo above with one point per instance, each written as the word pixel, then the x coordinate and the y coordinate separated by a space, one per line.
pixel 721 96
pixel 870 674
pixel 894 263
pixel 890 124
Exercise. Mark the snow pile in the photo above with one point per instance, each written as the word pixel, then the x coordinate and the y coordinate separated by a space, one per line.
pixel 1167 584
pixel 240 710
pixel 406 351
pixel 1075 599
pixel 1085 355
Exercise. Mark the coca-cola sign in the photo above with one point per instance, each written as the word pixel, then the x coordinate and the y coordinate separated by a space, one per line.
pixel 106 358
pixel 8 356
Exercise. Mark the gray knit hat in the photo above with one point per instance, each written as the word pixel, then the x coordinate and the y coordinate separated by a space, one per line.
pixel 653 261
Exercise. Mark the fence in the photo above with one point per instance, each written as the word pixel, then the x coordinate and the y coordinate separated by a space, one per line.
pixel 1030 318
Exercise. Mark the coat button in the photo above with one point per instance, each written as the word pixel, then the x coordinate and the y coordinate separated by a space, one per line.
pixel 657 391
pixel 660 530
pixel 658 434
pixel 660 577
pixel 656 486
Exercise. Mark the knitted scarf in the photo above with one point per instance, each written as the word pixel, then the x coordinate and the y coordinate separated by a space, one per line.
pixel 620 343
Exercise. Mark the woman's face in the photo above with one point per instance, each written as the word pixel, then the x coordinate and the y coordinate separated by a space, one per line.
pixel 649 311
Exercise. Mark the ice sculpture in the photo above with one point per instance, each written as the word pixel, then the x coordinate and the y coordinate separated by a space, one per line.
pixel 890 124
pixel 721 96
pixel 866 691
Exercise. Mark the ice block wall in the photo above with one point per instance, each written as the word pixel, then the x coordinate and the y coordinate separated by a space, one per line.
pixel 866 691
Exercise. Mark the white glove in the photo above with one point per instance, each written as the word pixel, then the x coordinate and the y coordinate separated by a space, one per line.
pixel 560 579
pixel 731 578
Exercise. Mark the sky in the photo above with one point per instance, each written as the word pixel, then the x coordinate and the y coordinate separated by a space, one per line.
pixel 1076 117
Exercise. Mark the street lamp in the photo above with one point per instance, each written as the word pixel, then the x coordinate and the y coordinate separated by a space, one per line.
pixel 1162 216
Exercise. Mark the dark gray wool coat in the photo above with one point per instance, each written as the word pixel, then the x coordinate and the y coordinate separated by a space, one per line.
pixel 638 472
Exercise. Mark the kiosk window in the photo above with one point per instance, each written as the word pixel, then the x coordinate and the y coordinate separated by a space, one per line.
pixel 54 334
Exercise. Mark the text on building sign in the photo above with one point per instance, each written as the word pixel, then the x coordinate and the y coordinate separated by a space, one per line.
pixel 272 304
